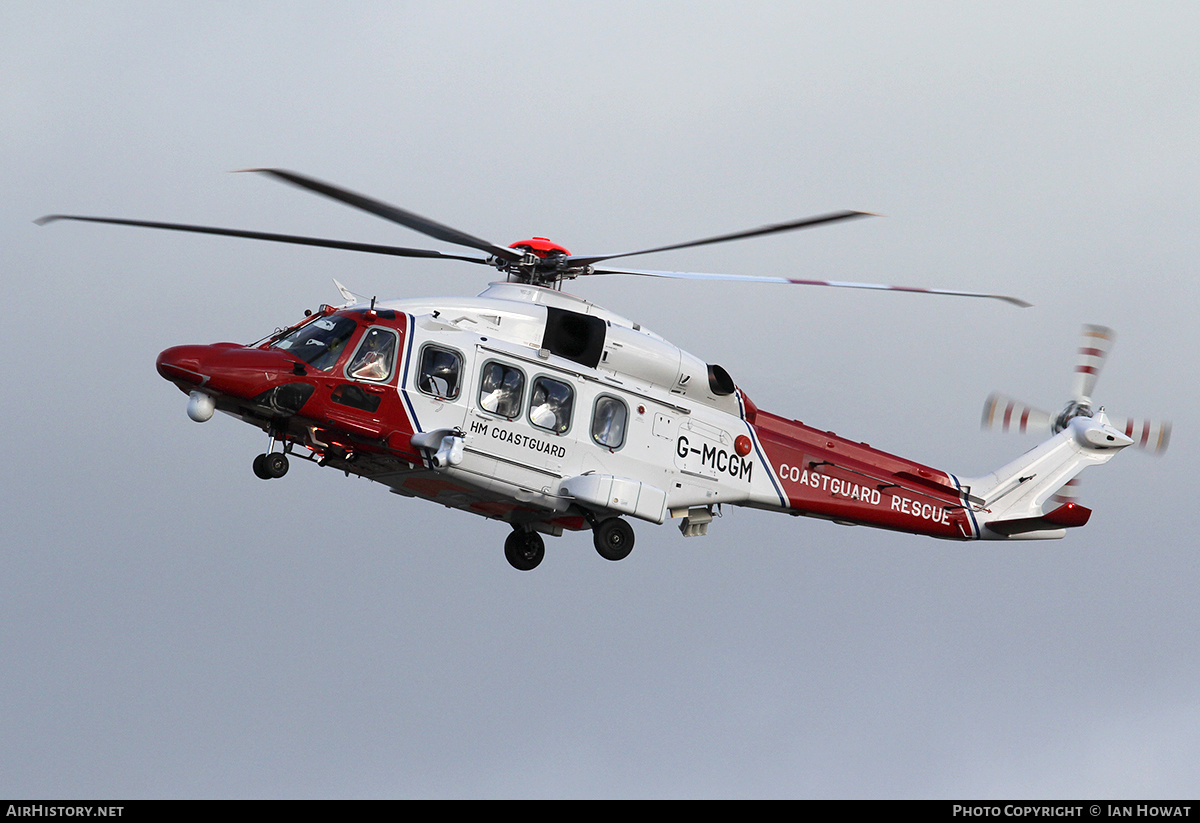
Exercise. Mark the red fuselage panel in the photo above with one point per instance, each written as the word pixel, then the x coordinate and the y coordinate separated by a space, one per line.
pixel 825 475
pixel 350 413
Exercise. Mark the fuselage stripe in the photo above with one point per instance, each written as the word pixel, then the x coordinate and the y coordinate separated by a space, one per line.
pixel 966 506
pixel 783 501
pixel 412 413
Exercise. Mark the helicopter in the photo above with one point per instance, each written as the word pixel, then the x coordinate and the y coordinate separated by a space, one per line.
pixel 532 406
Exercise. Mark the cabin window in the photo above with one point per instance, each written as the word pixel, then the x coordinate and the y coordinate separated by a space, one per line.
pixel 320 342
pixel 608 421
pixel 550 404
pixel 375 356
pixel 440 372
pixel 500 389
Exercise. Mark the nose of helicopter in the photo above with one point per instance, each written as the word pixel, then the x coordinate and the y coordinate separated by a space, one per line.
pixel 182 363
pixel 228 368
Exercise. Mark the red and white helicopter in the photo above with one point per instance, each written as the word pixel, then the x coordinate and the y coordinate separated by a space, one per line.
pixel 532 406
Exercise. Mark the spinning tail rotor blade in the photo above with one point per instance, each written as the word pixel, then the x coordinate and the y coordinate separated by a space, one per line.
pixel 1005 413
pixel 1094 346
pixel 1152 435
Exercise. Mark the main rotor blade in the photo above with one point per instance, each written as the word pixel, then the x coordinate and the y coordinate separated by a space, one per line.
pixel 373 248
pixel 1094 345
pixel 394 213
pixel 805 223
pixel 749 278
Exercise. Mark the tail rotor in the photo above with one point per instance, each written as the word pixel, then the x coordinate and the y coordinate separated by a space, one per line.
pixel 1005 413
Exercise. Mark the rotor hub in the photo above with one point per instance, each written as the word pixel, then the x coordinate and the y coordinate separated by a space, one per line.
pixel 1076 408
pixel 543 263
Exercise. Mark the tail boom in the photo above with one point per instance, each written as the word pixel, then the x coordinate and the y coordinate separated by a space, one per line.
pixel 818 474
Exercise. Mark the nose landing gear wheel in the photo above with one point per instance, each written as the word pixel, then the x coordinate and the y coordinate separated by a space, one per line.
pixel 524 550
pixel 270 466
pixel 613 538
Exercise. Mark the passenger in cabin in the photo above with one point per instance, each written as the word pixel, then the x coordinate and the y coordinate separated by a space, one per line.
pixel 500 390
pixel 550 406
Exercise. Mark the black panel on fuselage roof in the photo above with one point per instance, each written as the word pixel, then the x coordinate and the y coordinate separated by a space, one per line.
pixel 577 337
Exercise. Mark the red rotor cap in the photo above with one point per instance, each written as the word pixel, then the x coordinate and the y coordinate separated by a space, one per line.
pixel 540 246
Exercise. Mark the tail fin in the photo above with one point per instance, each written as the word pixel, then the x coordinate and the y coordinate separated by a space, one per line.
pixel 1017 501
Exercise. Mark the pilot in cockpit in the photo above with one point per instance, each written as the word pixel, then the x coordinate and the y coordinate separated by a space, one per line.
pixel 374 358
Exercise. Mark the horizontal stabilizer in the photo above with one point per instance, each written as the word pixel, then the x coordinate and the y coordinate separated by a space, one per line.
pixel 1066 516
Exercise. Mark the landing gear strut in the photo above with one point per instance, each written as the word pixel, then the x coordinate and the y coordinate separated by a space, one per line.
pixel 613 538
pixel 524 549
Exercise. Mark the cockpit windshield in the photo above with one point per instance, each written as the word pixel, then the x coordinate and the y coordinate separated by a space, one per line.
pixel 320 342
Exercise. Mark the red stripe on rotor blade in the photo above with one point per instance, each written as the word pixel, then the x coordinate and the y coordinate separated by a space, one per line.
pixel 1024 420
pixel 1086 369
pixel 1145 433
pixel 1092 352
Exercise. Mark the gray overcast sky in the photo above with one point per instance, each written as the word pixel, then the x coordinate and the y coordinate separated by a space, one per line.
pixel 173 627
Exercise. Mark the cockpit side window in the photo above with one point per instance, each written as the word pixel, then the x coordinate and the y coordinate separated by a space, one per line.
pixel 375 356
pixel 609 418
pixel 319 343
pixel 440 372
pixel 500 389
pixel 550 404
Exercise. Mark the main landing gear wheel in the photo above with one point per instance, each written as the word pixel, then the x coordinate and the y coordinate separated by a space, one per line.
pixel 524 550
pixel 613 538
pixel 270 466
